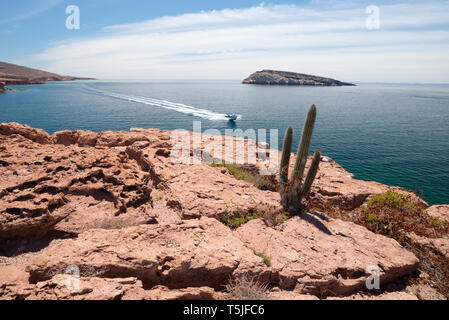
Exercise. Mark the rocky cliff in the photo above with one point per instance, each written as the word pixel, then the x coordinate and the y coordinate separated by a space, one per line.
pixel 11 74
pixel 271 77
pixel 113 206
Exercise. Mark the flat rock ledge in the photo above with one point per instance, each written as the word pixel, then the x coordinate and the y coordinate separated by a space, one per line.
pixel 113 206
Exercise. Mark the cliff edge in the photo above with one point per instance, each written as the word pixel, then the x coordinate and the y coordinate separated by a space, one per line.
pixel 115 207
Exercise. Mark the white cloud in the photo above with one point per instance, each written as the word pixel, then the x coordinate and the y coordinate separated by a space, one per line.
pixel 412 45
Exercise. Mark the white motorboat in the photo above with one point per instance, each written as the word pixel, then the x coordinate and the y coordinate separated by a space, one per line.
pixel 231 116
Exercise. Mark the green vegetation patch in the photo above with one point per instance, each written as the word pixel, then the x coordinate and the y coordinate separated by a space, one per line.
pixel 237 218
pixel 395 200
pixel 266 259
pixel 250 173
pixel 272 216
pixel 395 213
pixel 436 223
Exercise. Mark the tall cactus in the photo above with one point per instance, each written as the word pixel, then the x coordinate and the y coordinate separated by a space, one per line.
pixel 293 191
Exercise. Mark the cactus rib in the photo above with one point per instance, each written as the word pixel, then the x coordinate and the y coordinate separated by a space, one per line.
pixel 313 170
pixel 285 161
pixel 293 191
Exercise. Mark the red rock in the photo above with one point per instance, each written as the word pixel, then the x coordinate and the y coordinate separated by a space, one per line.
pixel 314 254
pixel 66 138
pixel 440 245
pixel 164 293
pixel 192 254
pixel 45 184
pixel 131 213
pixel 62 287
pixel 439 212
pixel 385 296
pixel 36 135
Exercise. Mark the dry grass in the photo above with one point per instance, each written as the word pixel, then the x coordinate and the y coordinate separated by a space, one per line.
pixel 266 259
pixel 247 288
pixel 272 216
pixel 250 173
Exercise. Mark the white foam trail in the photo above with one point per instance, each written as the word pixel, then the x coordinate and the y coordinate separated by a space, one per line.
pixel 179 107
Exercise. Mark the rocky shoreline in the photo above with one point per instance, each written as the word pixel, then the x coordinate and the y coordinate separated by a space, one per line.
pixel 273 77
pixel 16 81
pixel 113 206
pixel 13 75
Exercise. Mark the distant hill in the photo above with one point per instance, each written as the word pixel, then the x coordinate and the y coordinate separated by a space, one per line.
pixel 12 74
pixel 272 77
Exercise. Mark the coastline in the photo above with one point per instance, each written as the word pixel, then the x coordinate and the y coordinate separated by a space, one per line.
pixel 12 74
pixel 364 166
pixel 78 137
pixel 82 193
pixel 24 81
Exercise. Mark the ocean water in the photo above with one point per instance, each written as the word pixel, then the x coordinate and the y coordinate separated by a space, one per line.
pixel 393 134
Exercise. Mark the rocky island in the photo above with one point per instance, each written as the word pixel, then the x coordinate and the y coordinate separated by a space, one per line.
pixel 11 74
pixel 113 207
pixel 272 77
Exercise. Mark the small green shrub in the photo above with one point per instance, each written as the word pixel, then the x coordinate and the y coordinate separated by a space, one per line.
pixel 266 259
pixel 390 198
pixel 272 216
pixel 394 200
pixel 238 218
pixel 436 223
pixel 372 218
pixel 235 170
pixel 250 174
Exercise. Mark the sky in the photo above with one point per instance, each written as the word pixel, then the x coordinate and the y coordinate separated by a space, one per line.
pixel 404 41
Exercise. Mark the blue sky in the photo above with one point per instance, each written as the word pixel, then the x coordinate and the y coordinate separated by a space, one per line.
pixel 39 23
pixel 137 39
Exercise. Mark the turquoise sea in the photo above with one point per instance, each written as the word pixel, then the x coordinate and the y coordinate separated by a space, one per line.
pixel 393 134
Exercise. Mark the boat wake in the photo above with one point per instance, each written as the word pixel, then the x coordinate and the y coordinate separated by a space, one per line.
pixel 179 107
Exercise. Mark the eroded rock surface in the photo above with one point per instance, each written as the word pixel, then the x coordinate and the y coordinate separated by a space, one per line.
pixel 43 184
pixel 194 253
pixel 138 226
pixel 439 212
pixel 314 254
